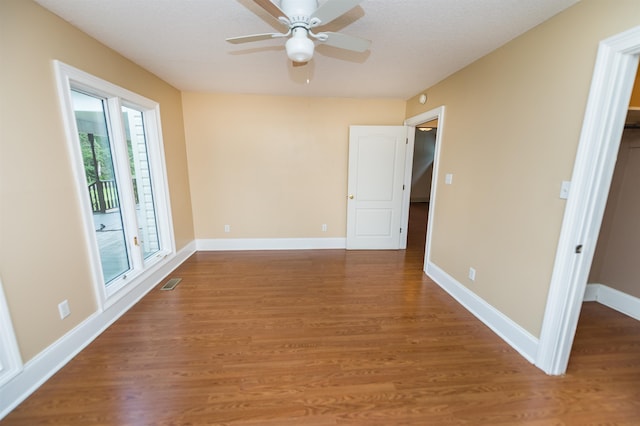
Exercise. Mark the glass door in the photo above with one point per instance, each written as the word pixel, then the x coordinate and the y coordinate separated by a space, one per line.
pixel 141 180
pixel 102 184
pixel 118 173
pixel 115 144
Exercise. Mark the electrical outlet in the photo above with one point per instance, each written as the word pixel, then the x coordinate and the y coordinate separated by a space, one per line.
pixel 324 227
pixel 472 274
pixel 227 228
pixel 63 309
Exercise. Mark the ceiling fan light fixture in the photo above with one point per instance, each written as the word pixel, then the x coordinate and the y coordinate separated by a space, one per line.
pixel 299 47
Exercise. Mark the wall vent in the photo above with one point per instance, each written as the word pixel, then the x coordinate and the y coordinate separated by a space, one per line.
pixel 171 284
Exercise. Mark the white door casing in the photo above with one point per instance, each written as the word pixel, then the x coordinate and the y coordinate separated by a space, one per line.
pixel 375 186
pixel 10 360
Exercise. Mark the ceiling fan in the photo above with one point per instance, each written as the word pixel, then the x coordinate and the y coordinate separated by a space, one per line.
pixel 301 16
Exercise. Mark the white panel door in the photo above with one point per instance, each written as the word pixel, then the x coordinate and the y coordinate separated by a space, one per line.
pixel 376 172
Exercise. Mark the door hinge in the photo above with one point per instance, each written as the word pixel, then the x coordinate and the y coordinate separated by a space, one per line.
pixel 403 187
pixel 401 230
pixel 579 248
pixel 406 141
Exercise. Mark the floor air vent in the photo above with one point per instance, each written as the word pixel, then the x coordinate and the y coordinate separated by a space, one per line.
pixel 171 284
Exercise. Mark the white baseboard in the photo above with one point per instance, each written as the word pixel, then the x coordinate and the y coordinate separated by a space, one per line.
pixel 591 293
pixel 615 299
pixel 231 244
pixel 517 337
pixel 39 369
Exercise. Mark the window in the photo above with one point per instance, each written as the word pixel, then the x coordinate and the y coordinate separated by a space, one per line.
pixel 115 141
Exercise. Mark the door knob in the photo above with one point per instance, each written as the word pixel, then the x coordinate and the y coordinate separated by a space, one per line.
pixel 351 196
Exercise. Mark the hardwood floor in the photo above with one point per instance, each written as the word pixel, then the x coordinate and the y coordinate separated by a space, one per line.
pixel 330 337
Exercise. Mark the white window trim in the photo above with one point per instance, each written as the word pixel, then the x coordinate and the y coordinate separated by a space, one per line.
pixel 67 78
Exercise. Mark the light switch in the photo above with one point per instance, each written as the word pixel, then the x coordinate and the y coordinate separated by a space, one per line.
pixel 564 189
pixel 448 178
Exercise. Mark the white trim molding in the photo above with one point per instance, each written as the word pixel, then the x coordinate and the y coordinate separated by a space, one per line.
pixel 614 299
pixel 591 293
pixel 613 78
pixel 48 362
pixel 516 336
pixel 10 359
pixel 236 244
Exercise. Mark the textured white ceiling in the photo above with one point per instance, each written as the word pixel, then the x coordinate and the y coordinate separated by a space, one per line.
pixel 415 43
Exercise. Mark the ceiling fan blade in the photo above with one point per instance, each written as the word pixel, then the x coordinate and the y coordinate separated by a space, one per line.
pixel 331 9
pixel 345 41
pixel 254 37
pixel 272 8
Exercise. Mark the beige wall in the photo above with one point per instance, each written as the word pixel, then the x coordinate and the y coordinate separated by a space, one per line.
pixel 502 215
pixel 273 167
pixel 615 263
pixel 43 256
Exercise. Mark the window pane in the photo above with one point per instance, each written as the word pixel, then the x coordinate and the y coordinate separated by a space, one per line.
pixel 101 183
pixel 142 185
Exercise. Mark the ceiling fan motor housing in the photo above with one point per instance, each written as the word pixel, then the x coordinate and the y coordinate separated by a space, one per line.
pixel 299 10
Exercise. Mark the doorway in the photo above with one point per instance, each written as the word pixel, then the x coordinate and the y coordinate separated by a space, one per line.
pixel 434 119
pixel 421 181
pixel 613 78
pixel 613 279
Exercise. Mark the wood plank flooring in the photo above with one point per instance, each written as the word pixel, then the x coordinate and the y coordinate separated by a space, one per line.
pixel 330 337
